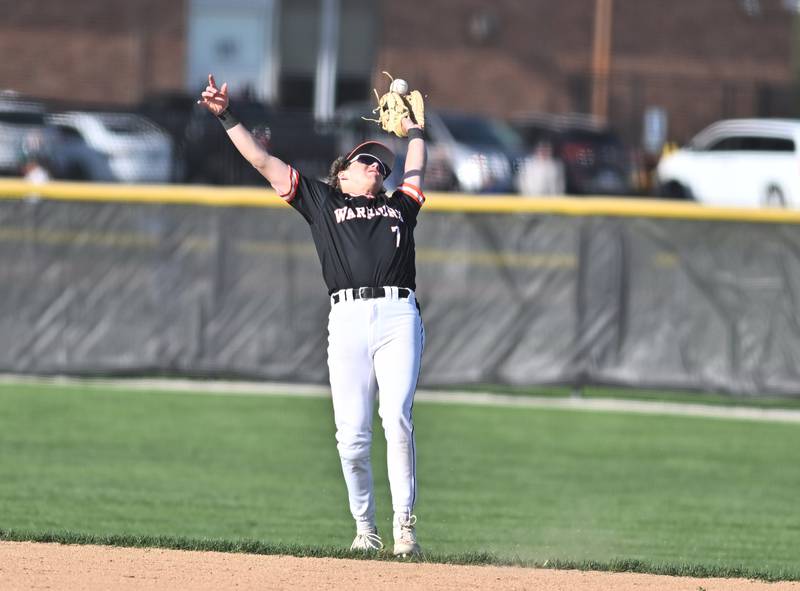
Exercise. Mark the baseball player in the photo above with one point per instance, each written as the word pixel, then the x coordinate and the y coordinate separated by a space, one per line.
pixel 365 243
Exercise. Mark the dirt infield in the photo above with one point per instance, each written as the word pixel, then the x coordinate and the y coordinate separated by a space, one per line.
pixel 27 566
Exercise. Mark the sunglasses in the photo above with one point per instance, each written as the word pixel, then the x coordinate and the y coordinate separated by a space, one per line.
pixel 369 160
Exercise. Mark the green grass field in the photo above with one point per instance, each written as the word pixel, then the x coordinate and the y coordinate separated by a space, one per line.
pixel 667 494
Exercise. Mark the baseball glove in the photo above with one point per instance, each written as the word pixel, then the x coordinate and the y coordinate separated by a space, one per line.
pixel 395 105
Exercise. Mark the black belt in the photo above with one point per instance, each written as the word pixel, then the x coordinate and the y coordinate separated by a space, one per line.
pixel 368 293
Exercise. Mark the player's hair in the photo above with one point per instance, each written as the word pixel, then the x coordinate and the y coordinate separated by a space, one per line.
pixel 338 166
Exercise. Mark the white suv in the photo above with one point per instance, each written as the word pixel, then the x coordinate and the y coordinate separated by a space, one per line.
pixel 122 147
pixel 737 162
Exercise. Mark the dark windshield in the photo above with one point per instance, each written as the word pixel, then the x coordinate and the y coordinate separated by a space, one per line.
pixel 18 118
pixel 469 129
pixel 124 124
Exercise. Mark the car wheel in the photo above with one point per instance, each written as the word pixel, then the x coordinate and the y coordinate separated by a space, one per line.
pixel 774 197
pixel 76 172
pixel 675 190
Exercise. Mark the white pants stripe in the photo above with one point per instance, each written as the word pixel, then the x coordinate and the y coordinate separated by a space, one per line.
pixel 375 348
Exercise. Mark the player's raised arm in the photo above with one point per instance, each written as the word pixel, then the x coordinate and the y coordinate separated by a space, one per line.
pixel 415 156
pixel 215 99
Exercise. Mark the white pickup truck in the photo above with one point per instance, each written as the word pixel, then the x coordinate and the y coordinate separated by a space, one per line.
pixel 737 162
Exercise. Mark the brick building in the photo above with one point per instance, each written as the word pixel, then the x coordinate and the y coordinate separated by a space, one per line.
pixel 699 61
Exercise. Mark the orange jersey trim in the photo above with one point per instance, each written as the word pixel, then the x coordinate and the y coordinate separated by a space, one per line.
pixel 412 191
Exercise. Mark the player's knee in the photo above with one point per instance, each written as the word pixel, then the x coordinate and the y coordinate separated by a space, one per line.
pixel 397 427
pixel 354 447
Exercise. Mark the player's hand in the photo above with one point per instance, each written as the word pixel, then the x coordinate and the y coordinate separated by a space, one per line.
pixel 407 124
pixel 214 99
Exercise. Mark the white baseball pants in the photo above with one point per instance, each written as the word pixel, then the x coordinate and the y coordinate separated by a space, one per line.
pixel 375 347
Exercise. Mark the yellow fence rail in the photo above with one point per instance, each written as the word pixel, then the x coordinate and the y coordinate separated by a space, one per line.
pixel 265 197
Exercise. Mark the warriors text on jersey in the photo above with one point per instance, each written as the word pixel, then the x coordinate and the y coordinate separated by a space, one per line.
pixel 361 241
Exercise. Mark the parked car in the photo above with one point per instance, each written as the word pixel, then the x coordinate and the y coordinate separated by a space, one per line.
pixel 738 162
pixel 23 131
pixel 172 111
pixel 118 147
pixel 292 135
pixel 595 159
pixel 72 158
pixel 472 153
pixel 466 152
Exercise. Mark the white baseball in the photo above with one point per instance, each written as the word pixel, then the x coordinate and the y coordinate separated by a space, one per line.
pixel 399 86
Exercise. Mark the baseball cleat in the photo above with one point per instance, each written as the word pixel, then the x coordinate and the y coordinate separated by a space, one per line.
pixel 405 537
pixel 368 541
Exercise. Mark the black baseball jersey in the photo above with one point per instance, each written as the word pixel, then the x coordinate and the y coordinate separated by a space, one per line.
pixel 361 241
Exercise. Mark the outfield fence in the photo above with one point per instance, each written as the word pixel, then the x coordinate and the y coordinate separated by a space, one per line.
pixel 225 282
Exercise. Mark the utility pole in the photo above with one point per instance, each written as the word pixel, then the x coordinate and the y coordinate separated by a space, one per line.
pixel 601 58
pixel 327 61
pixel 795 60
